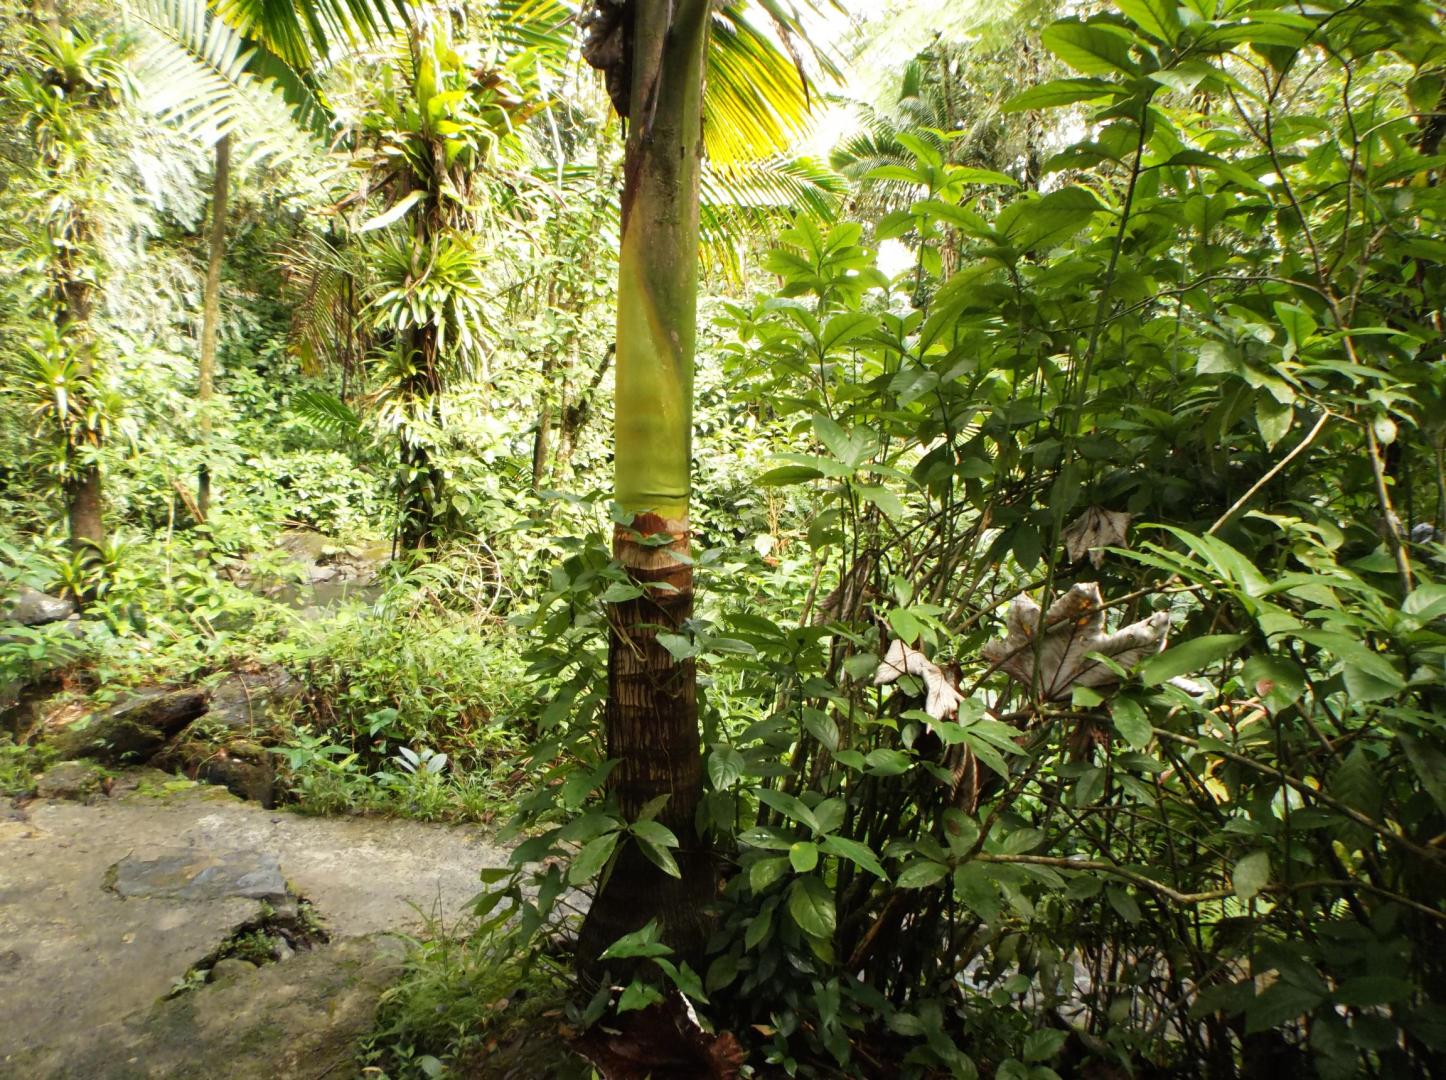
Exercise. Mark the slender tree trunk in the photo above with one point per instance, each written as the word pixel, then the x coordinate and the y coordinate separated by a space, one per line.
pixel 83 488
pixel 540 441
pixel 651 716
pixel 211 315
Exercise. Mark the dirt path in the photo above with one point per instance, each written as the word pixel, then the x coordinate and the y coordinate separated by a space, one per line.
pixel 104 905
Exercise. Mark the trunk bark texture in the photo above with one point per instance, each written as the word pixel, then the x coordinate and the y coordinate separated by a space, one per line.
pixel 652 716
pixel 211 315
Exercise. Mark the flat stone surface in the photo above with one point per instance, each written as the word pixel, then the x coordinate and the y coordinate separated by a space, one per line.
pixel 198 875
pixel 295 1021
pixel 76 955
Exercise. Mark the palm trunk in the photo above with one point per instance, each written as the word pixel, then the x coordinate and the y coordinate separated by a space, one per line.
pixel 211 314
pixel 652 716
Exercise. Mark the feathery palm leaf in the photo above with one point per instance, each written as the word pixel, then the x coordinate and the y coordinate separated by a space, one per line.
pixel 190 69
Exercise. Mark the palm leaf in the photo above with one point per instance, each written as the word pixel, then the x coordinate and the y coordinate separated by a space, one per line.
pixel 190 69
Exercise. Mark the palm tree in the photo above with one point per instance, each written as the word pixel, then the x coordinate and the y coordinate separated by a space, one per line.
pixel 655 54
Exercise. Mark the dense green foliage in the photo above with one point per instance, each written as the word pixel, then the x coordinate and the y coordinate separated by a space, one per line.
pixel 1157 310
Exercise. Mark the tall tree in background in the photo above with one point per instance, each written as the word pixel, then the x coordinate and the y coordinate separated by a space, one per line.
pixel 211 312
pixel 63 96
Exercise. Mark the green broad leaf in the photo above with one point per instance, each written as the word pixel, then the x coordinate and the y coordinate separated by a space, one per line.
pixel 620 591
pixel 638 995
pixel 1189 656
pixel 960 830
pixel 1044 1044
pixel 830 813
pixel 822 727
pixel 643 942
pixel 654 832
pixel 765 872
pixel 1426 604
pixel 921 873
pixel 1272 419
pixel 1158 18
pixel 850 759
pixel 1251 874
pixel 764 837
pixel 725 767
pixel 789 474
pixel 860 855
pixel 678 645
pixel 1183 78
pixel 804 856
pixel 660 857
pixel 1057 92
pixel 1021 840
pixel 789 806
pixel 810 904
pixel 1131 721
pixel 907 628
pixel 968 174
pixel 1368 675
pixel 1276 680
pixel 883 498
pixel 588 862
pixel 1124 903
pixel 654 806
pixel 721 972
pixel 1030 222
pixel 884 762
pixel 848 448
pixel 1091 48
pixel 841 329
pixel 685 979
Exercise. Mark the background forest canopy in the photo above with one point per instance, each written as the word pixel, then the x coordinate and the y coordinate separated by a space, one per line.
pixel 1061 473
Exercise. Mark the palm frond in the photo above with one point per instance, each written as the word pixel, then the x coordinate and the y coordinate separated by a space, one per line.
pixel 301 34
pixel 327 413
pixel 190 69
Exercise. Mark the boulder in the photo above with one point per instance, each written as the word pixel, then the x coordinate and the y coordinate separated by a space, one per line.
pixel 70 780
pixel 32 608
pixel 246 701
pixel 242 767
pixel 132 730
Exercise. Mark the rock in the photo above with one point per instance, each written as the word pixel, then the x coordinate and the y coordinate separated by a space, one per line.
pixel 134 729
pixel 70 780
pixel 32 608
pixel 246 701
pixel 243 768
pixel 230 968
pixel 318 574
pixel 306 544
pixel 199 875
